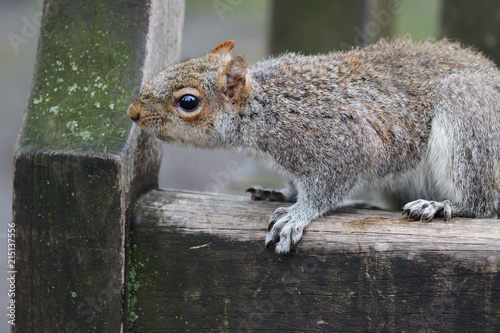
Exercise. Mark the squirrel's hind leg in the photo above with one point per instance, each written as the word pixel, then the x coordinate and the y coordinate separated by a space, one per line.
pixel 463 154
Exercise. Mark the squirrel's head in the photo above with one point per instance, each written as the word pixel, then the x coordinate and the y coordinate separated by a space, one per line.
pixel 187 101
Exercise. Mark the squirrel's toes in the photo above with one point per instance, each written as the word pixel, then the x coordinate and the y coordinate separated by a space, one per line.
pixel 258 193
pixel 426 210
pixel 284 231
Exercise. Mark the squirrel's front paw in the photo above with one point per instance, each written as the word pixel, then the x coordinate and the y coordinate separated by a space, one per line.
pixel 426 209
pixel 258 193
pixel 285 230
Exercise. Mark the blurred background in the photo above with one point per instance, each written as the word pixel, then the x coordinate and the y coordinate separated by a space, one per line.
pixel 260 28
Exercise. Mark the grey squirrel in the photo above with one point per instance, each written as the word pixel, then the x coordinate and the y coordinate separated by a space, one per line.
pixel 413 125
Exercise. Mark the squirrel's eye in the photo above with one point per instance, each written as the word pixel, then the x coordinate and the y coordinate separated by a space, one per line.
pixel 189 102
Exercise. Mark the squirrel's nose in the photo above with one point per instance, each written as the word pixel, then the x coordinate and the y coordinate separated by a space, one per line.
pixel 134 112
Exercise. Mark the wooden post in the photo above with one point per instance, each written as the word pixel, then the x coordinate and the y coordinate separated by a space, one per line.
pixel 80 162
pixel 201 266
pixel 324 25
pixel 474 23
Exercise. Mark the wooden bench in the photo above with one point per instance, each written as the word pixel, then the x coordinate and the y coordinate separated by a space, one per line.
pixel 201 266
pixel 99 249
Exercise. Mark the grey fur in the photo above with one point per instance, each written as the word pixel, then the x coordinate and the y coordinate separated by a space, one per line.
pixel 390 123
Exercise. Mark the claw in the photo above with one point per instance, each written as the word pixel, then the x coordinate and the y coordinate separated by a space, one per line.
pixel 267 194
pixel 278 214
pixel 272 239
pixel 256 193
pixel 274 196
pixel 270 225
pixel 271 243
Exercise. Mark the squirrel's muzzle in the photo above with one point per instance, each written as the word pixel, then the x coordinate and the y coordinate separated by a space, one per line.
pixel 134 112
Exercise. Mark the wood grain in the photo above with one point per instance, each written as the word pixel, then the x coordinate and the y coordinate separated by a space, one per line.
pixel 201 265
pixel 80 161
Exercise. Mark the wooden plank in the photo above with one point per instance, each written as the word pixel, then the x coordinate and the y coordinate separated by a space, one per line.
pixel 79 161
pixel 201 265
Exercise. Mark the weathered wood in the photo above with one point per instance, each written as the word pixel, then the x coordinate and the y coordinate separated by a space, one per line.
pixel 201 265
pixel 79 161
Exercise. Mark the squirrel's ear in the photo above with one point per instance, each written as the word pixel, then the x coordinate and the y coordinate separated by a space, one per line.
pixel 233 80
pixel 224 47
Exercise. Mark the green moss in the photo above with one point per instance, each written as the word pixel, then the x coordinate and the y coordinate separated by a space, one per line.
pixel 85 80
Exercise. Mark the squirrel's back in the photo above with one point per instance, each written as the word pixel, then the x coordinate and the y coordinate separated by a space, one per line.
pixel 397 64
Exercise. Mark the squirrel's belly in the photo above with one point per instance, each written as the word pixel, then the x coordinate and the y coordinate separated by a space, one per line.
pixel 394 191
pixel 430 179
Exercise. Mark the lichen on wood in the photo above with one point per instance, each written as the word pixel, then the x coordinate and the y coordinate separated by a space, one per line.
pixel 84 79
